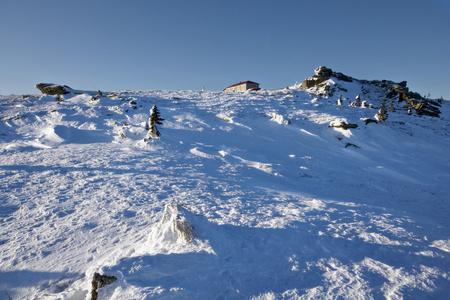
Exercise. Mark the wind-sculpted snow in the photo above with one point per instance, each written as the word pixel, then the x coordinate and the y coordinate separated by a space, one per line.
pixel 273 202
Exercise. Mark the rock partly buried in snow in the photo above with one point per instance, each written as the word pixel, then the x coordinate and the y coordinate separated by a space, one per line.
pixel 175 217
pixel 342 124
pixel 99 281
pixel 53 89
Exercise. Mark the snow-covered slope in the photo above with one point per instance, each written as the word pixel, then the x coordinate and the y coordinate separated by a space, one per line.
pixel 283 206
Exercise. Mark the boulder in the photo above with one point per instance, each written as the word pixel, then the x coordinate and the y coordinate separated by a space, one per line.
pixel 323 71
pixel 53 89
pixel 321 74
pixel 312 82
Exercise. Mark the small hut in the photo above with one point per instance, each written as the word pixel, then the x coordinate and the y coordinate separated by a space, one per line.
pixel 242 86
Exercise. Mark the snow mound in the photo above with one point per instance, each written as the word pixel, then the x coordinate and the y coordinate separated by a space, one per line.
pixel 279 119
pixel 443 245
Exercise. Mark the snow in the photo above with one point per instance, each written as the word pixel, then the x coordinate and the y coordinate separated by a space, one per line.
pixel 283 206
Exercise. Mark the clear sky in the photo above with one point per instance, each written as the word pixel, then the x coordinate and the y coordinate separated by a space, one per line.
pixel 187 44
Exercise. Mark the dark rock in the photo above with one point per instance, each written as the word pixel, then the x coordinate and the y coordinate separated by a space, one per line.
pixel 351 145
pixel 368 121
pixel 53 89
pixel 99 281
pixel 323 72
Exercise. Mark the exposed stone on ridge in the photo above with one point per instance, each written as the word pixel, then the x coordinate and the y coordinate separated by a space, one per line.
pixel 323 72
pixel 53 89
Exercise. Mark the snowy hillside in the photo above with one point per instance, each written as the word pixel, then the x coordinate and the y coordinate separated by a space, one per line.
pixel 282 205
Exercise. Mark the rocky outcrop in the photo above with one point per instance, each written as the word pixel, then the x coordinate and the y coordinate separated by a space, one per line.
pixel 53 89
pixel 320 85
pixel 321 74
pixel 319 80
pixel 421 105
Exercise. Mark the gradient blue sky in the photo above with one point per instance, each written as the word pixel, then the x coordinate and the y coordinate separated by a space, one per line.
pixel 185 45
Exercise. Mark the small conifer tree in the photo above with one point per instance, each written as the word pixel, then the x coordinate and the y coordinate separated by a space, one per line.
pixel 391 107
pixel 153 120
pixel 97 96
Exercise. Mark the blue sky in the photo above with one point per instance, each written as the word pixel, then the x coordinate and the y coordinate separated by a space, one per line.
pixel 185 45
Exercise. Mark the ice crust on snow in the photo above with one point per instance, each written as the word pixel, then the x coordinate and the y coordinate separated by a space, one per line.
pixel 302 211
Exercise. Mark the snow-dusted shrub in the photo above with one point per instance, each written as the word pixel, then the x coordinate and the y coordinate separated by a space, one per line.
pixel 59 98
pixel 391 107
pixel 97 96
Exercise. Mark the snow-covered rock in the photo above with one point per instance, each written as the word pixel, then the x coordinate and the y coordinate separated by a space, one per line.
pixel 175 225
